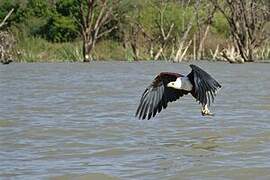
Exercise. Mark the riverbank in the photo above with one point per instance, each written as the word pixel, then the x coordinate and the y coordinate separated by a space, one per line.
pixel 34 49
pixel 126 61
pixel 49 31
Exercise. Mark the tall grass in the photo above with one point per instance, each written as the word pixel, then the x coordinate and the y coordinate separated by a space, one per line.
pixel 36 49
pixel 31 49
pixel 71 52
pixel 109 50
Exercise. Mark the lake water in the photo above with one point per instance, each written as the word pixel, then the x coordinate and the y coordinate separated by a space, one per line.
pixel 76 121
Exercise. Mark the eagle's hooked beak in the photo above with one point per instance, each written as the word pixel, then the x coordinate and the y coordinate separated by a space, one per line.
pixel 171 84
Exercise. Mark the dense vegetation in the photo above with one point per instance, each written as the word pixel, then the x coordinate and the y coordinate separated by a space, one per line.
pixel 136 30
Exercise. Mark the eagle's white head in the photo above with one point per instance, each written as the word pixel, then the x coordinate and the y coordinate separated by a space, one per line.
pixel 175 84
pixel 181 83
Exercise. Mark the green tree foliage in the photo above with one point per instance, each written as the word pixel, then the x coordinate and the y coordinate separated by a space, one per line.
pixel 18 16
pixel 52 21
pixel 220 25
pixel 66 7
pixel 38 8
pixel 36 17
pixel 60 28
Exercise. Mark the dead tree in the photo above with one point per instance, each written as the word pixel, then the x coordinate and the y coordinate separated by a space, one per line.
pixel 6 42
pixel 133 38
pixel 93 16
pixel 131 35
pixel 182 48
pixel 247 20
pixel 5 19
pixel 182 37
pixel 155 43
pixel 203 23
pixel 165 31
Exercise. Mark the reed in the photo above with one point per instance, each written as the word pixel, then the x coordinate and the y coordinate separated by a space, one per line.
pixel 70 52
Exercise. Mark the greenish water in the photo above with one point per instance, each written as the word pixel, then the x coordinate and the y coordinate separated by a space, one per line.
pixel 76 121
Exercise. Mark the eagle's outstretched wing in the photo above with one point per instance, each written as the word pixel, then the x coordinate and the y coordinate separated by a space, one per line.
pixel 204 86
pixel 157 95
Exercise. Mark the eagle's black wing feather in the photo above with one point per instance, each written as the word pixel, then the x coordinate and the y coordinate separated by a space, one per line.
pixel 157 95
pixel 205 86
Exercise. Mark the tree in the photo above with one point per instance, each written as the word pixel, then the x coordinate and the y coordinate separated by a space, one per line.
pixel 6 42
pixel 93 18
pixel 204 15
pixel 247 20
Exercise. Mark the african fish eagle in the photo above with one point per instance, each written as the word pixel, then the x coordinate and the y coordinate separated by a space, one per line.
pixel 168 87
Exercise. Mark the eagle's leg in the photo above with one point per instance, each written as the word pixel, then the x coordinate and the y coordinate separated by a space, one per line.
pixel 205 111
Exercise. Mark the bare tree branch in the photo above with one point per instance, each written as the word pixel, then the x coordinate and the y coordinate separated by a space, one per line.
pixel 106 32
pixel 247 21
pixel 5 19
pixel 93 16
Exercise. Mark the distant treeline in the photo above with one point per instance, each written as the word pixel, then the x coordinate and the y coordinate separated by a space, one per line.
pixel 173 30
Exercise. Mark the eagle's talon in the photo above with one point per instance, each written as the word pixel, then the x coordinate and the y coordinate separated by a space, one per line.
pixel 207 113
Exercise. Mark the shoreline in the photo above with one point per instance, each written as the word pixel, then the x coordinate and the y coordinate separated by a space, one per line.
pixel 126 61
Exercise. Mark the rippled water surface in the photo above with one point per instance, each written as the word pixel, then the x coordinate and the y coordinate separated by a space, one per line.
pixel 66 121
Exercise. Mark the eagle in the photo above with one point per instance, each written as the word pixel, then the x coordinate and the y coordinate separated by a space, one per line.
pixel 168 87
